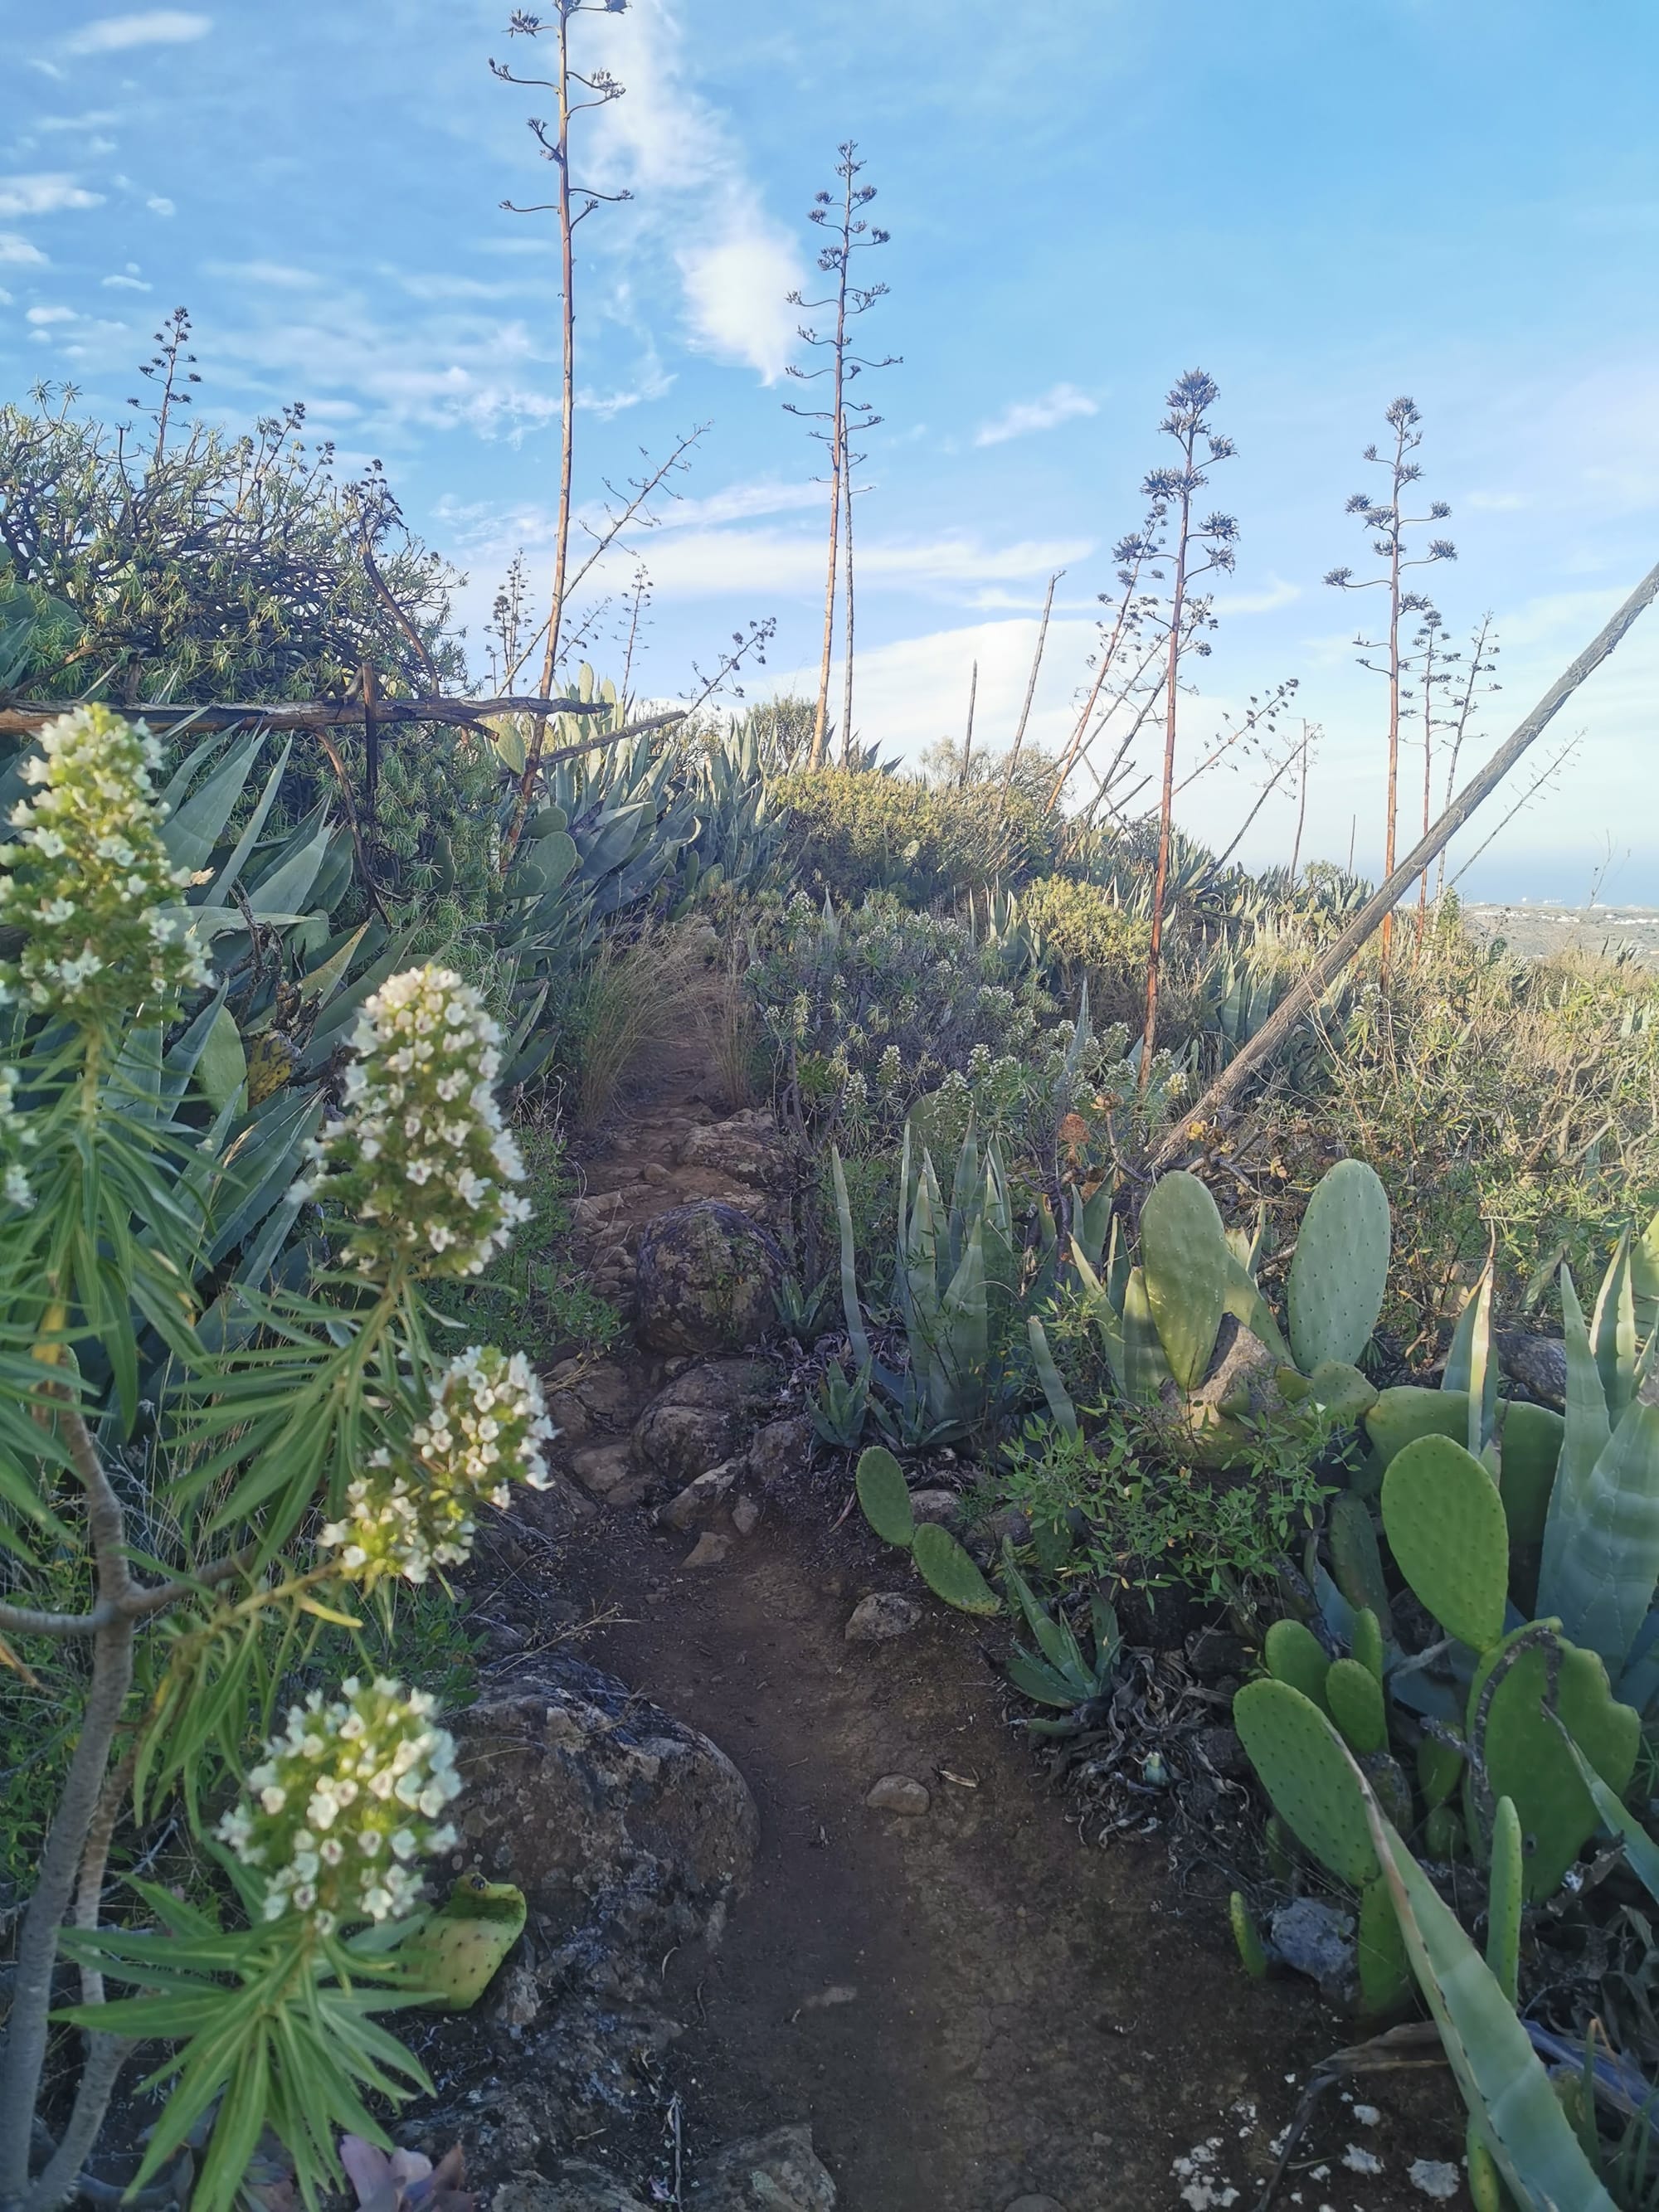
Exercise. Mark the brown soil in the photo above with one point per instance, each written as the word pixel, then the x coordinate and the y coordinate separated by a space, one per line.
pixel 973 2004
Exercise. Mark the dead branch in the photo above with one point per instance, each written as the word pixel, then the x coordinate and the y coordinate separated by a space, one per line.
pixel 1382 902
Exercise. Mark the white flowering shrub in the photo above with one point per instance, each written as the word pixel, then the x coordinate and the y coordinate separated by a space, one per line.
pixel 346 1804
pixel 307 1450
pixel 484 1430
pixel 88 878
pixel 420 1158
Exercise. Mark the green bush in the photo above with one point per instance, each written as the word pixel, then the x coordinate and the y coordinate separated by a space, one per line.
pixel 851 834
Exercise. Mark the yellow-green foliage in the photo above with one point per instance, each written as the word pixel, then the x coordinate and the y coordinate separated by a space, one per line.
pixel 853 833
pixel 1082 926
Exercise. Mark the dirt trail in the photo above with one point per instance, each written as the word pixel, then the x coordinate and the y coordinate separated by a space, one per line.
pixel 971 2005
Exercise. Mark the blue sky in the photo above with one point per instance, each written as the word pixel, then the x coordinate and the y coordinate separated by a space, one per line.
pixel 1323 206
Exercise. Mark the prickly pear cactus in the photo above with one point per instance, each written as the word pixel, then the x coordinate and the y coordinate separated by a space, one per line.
pixel 1247 1938
pixel 1294 1654
pixel 885 1497
pixel 1354 1696
pixel 1341 1392
pixel 1527 1760
pixel 1310 1778
pixel 1368 1643
pixel 1505 1889
pixel 1146 1369
pixel 1386 1981
pixel 1340 1270
pixel 1439 1769
pixel 1444 1523
pixel 1444 1835
pixel 949 1573
pixel 1408 1411
pixel 1186 1263
pixel 1356 1561
pixel 464 1943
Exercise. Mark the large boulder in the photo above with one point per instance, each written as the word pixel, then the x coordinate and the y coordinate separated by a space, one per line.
pixel 706 1280
pixel 627 1831
pixel 698 1419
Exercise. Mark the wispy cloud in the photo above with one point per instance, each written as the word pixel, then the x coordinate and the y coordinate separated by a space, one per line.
pixel 40 316
pixel 1063 402
pixel 125 284
pixel 19 252
pixel 158 203
pixel 666 142
pixel 154 27
pixel 97 118
pixel 45 195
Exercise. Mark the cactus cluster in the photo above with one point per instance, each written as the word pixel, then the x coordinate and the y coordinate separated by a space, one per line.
pixel 943 1565
pixel 1160 1324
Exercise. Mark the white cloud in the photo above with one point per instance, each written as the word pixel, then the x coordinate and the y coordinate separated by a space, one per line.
pixel 155 26
pixel 96 119
pixel 125 284
pixel 5 299
pixel 664 141
pixel 18 251
pixel 44 194
pixel 1274 594
pixel 1062 403
pixel 281 275
pixel 158 203
pixel 41 315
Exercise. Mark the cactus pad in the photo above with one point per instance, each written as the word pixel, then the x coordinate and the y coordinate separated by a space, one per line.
pixel 1146 1369
pixel 1527 1760
pixel 1439 1769
pixel 1386 1984
pixel 1531 1445
pixel 1367 1642
pixel 1355 1698
pixel 1294 1654
pixel 1444 1523
pixel 885 1497
pixel 1314 1784
pixel 1444 1835
pixel 1187 1267
pixel 949 1573
pixel 1340 1269
pixel 1504 1889
pixel 1247 1938
pixel 1342 1393
pixel 1406 1411
pixel 1356 1562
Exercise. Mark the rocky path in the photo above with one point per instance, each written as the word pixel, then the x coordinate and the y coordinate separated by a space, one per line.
pixel 972 2009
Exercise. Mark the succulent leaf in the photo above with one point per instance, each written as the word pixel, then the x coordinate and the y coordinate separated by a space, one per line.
pixel 1340 1270
pixel 1186 1265
pixel 1445 1526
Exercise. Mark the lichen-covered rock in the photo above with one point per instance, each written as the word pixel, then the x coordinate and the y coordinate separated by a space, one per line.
pixel 579 2188
pixel 626 1831
pixel 776 2172
pixel 781 1451
pixel 746 1147
pixel 706 1280
pixel 697 1420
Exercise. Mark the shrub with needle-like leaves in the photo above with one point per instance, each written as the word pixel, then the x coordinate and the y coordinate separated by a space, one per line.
pixel 173 1462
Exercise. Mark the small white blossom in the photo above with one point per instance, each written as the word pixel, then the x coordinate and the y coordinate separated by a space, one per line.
pixel 87 870
pixel 322 1811
pixel 421 1157
pixel 483 1430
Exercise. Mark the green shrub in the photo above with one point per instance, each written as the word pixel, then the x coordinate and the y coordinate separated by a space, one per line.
pixel 851 834
pixel 1083 926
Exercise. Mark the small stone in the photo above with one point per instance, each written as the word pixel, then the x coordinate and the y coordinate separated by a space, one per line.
pixel 655 1173
pixel 1317 1940
pixel 1433 2176
pixel 608 1471
pixel 700 1498
pixel 898 1793
pixel 708 1551
pixel 517 2000
pixel 943 1506
pixel 745 1516
pixel 838 1993
pixel 880 1618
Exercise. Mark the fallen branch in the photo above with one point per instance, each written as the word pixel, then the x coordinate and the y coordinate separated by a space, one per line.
pixel 1342 949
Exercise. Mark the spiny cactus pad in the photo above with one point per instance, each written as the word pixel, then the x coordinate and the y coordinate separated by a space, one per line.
pixel 1294 1654
pixel 1444 1523
pixel 1247 1938
pixel 885 1497
pixel 1443 1837
pixel 1187 1267
pixel 1355 1698
pixel 1407 1411
pixel 1530 1446
pixel 1504 1893
pixel 1341 1392
pixel 1527 1760
pixel 1367 1642
pixel 1439 1769
pixel 1356 1561
pixel 1313 1782
pixel 1386 1983
pixel 1340 1269
pixel 949 1573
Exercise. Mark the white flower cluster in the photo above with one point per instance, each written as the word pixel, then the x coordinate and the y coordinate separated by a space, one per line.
pixel 15 1135
pixel 485 1429
pixel 344 1805
pixel 421 1157
pixel 89 879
